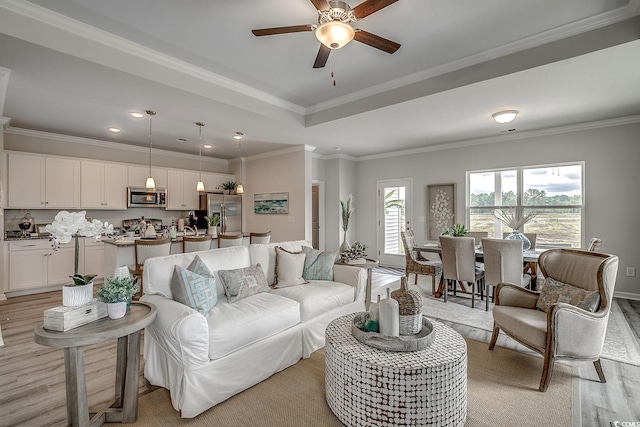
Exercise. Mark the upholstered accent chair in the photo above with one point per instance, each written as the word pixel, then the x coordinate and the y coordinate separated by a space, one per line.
pixel 502 264
pixel 144 249
pixel 416 263
pixel 565 331
pixel 226 240
pixel 196 243
pixel 260 237
pixel 459 264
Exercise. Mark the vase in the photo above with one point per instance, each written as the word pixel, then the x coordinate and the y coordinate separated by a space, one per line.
pixel 116 310
pixel 345 246
pixel 409 309
pixel 517 235
pixel 389 318
pixel 75 296
pixel 212 230
pixel 374 311
pixel 121 271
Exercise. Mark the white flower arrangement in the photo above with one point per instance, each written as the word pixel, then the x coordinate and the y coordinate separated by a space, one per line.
pixel 441 211
pixel 67 225
pixel 514 219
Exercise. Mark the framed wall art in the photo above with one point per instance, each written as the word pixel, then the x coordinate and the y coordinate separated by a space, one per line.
pixel 271 203
pixel 441 205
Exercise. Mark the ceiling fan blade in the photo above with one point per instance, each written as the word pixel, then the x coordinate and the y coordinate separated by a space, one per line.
pixel 376 41
pixel 368 7
pixel 282 30
pixel 323 55
pixel 321 4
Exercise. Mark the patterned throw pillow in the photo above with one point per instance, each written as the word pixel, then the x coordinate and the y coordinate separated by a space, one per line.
pixel 289 268
pixel 243 282
pixel 194 286
pixel 553 291
pixel 318 265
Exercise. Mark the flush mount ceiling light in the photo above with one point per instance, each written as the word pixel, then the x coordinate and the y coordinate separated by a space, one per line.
pixel 200 186
pixel 113 130
pixel 150 182
pixel 238 137
pixel 335 34
pixel 207 146
pixel 136 115
pixel 506 116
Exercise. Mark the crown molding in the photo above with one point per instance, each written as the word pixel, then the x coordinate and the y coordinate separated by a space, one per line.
pixel 276 153
pixel 509 137
pixel 4 122
pixel 109 144
pixel 338 156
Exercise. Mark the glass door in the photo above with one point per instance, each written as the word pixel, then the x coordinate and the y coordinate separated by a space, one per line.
pixel 394 217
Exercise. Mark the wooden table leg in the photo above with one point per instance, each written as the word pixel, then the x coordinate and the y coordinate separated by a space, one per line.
pixel 130 406
pixel 367 293
pixel 121 373
pixel 76 386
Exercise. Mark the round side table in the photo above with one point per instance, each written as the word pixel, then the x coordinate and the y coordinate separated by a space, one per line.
pixel 369 265
pixel 370 387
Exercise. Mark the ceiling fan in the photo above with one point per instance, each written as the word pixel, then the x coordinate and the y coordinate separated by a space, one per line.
pixel 334 29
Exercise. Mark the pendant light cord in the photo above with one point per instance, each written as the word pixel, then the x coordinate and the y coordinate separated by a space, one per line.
pixel 151 114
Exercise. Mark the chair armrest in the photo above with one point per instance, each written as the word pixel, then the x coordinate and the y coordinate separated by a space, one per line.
pixel 576 332
pixel 180 331
pixel 353 276
pixel 515 296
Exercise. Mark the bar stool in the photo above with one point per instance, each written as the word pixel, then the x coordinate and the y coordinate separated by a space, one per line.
pixel 226 240
pixel 145 249
pixel 196 243
pixel 260 237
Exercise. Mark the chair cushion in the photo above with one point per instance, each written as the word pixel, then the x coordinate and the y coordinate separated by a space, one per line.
pixel 289 268
pixel 194 286
pixel 243 282
pixel 553 291
pixel 318 265
pixel 318 297
pixel 528 325
pixel 236 325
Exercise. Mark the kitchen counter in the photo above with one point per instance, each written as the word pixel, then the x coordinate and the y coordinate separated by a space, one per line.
pixel 129 241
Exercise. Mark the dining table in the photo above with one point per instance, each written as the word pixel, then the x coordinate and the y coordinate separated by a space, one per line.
pixel 529 259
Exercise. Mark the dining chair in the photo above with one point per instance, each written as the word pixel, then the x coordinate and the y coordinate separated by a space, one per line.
pixel 477 236
pixel 502 264
pixel 594 245
pixel 529 268
pixel 260 237
pixel 227 240
pixel 416 263
pixel 459 264
pixel 144 249
pixel 545 323
pixel 196 243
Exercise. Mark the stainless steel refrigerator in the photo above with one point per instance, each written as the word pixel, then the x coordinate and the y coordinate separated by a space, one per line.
pixel 228 207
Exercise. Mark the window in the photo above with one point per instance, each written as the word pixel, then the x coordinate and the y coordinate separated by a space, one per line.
pixel 553 192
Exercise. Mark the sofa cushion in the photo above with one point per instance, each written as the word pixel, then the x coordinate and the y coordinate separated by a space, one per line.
pixel 528 325
pixel 553 291
pixel 249 320
pixel 318 297
pixel 265 254
pixel 289 268
pixel 318 265
pixel 194 286
pixel 243 282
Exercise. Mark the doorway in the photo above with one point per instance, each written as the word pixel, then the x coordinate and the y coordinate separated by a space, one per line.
pixel 394 217
pixel 317 215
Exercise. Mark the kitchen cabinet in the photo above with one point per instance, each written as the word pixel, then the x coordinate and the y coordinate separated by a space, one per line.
pixel 43 182
pixel 103 186
pixel 138 176
pixel 34 264
pixel 214 181
pixel 181 190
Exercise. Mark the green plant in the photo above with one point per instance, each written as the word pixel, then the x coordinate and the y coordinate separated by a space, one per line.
pixel 117 289
pixel 347 210
pixel 229 185
pixel 213 220
pixel 458 230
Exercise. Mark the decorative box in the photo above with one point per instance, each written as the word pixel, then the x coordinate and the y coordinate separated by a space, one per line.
pixel 63 318
pixel 357 261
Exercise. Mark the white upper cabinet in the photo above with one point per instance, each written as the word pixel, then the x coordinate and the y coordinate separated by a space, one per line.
pixel 43 182
pixel 181 190
pixel 138 176
pixel 104 185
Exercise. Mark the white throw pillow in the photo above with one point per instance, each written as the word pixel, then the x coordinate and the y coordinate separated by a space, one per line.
pixel 289 268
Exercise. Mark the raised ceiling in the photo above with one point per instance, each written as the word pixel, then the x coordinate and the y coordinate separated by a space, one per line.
pixel 79 66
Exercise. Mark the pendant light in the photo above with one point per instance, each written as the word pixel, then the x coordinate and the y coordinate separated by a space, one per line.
pixel 238 136
pixel 200 186
pixel 150 182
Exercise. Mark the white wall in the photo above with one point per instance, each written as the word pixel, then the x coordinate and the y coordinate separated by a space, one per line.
pixel 612 177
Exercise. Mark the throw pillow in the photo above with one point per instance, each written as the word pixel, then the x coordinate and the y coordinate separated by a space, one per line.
pixel 243 282
pixel 194 286
pixel 553 291
pixel 289 268
pixel 318 265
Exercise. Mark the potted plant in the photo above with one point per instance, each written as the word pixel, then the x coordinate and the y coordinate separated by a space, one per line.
pixel 228 187
pixel 458 230
pixel 117 293
pixel 213 221
pixel 68 225
pixel 356 254
pixel 347 210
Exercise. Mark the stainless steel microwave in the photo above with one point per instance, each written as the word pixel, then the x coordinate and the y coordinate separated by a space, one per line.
pixel 141 197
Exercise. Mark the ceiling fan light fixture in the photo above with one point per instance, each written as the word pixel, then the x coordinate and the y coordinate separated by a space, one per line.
pixel 506 116
pixel 335 34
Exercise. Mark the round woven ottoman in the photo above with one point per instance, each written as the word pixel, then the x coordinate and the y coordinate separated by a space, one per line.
pixel 365 386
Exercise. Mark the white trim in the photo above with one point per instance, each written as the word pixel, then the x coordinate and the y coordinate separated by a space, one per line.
pixel 288 150
pixel 5 73
pixel 626 295
pixel 4 122
pixel 321 212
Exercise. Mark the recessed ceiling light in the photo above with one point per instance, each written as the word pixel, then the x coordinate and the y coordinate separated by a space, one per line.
pixel 207 146
pixel 506 116
pixel 238 135
pixel 113 130
pixel 136 115
pixel 182 139
pixel 337 148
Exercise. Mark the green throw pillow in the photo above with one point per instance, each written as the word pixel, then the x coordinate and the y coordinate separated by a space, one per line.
pixel 194 286
pixel 553 291
pixel 318 265
pixel 243 282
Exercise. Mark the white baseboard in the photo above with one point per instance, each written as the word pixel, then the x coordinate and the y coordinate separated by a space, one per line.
pixel 627 295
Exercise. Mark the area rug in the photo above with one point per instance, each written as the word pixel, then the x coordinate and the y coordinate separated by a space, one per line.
pixel 620 344
pixel 502 389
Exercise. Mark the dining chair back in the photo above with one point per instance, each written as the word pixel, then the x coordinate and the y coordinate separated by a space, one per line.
pixel 416 264
pixel 502 264
pixel 594 245
pixel 477 236
pixel 260 237
pixel 227 240
pixel 145 249
pixel 459 263
pixel 196 243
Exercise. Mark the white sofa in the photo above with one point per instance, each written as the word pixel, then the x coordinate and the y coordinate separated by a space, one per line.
pixel 204 360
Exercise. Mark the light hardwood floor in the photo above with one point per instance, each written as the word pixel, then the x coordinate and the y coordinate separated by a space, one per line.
pixel 32 388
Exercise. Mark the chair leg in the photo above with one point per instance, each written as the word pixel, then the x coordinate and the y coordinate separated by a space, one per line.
pixel 494 336
pixel 473 294
pixel 433 285
pixel 598 366
pixel 486 288
pixel 415 282
pixel 547 370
